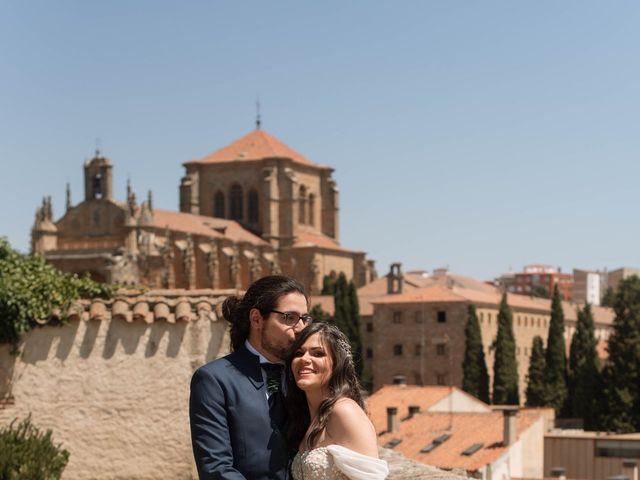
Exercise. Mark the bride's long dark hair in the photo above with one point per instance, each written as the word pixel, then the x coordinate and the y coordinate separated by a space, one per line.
pixel 342 384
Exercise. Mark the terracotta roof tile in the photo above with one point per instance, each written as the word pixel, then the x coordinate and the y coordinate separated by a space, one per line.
pixel 169 305
pixel 465 429
pixel 204 226
pixel 377 289
pixel 402 396
pixel 309 239
pixel 429 294
pixel 435 294
pixel 256 145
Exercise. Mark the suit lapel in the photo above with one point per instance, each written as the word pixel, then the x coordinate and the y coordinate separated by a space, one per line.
pixel 249 365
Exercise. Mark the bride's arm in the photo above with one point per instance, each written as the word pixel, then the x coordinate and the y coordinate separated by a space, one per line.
pixel 349 426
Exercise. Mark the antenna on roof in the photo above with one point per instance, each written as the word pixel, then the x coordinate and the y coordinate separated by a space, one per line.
pixel 258 119
pixel 97 147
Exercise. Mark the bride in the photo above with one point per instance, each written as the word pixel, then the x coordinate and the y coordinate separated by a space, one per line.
pixel 334 437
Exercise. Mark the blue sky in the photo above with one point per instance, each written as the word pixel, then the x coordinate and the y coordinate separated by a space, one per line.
pixel 476 135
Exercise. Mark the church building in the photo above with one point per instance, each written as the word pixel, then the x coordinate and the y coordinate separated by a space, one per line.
pixel 252 208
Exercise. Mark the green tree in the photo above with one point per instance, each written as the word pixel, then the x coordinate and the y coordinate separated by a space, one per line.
pixel 356 336
pixel 505 366
pixel 26 453
pixel 347 318
pixel 328 285
pixel 584 371
pixel 535 376
pixel 475 378
pixel 608 298
pixel 31 289
pixel 621 375
pixel 540 292
pixel 318 314
pixel 555 373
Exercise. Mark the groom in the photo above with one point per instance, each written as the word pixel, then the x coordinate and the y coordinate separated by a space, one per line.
pixel 236 406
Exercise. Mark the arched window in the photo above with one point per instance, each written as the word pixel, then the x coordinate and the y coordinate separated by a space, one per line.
pixel 218 205
pixel 312 205
pixel 254 216
pixel 235 202
pixel 302 204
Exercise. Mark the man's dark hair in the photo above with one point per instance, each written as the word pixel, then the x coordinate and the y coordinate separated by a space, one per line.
pixel 262 294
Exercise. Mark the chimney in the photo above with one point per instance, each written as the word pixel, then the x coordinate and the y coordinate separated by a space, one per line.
pixel 559 473
pixel 392 419
pixel 630 469
pixel 413 410
pixel 509 430
pixel 395 279
pixel 399 380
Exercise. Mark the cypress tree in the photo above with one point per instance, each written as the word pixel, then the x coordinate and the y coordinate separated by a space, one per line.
pixel 535 377
pixel 608 298
pixel 621 375
pixel 318 314
pixel 475 378
pixel 354 319
pixel 328 285
pixel 584 371
pixel 505 366
pixel 555 374
pixel 347 316
pixel 342 308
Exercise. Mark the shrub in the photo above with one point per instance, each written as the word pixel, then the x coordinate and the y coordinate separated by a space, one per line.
pixel 31 289
pixel 26 453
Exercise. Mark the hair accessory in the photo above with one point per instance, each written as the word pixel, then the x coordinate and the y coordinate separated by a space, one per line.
pixel 344 344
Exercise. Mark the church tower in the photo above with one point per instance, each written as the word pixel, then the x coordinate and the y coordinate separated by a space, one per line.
pixel 98 181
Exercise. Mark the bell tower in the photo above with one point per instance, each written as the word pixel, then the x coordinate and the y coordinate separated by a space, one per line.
pixel 98 182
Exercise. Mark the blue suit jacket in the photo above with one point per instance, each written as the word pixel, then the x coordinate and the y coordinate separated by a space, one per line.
pixel 232 434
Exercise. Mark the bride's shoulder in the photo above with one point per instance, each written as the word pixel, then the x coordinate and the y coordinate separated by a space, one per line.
pixel 348 425
pixel 346 406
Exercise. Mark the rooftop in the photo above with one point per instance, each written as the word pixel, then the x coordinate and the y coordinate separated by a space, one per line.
pixel 256 145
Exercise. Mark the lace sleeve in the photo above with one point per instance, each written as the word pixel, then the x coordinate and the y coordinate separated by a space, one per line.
pixel 357 466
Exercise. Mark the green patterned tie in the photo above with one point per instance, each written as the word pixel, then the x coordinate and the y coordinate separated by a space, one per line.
pixel 274 376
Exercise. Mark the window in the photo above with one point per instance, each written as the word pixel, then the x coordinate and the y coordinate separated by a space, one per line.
pixel 418 350
pixel 235 202
pixel 369 326
pixel 369 353
pixel 254 216
pixel 617 449
pixel 481 317
pixel 218 205
pixel 397 350
pixel 397 317
pixel 441 349
pixel 442 316
pixel 302 204
pixel 526 322
pixel 312 204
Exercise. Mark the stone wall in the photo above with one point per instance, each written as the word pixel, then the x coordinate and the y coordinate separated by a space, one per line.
pixel 113 382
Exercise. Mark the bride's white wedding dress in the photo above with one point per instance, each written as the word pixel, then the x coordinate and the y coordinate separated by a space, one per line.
pixel 335 462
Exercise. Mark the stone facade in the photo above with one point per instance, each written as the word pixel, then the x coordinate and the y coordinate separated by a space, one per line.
pixel 417 336
pixel 253 208
pixel 113 382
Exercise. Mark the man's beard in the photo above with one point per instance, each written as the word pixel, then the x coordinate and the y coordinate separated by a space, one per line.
pixel 278 351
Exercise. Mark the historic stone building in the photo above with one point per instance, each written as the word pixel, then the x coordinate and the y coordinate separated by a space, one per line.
pixel 249 209
pixel 413 326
